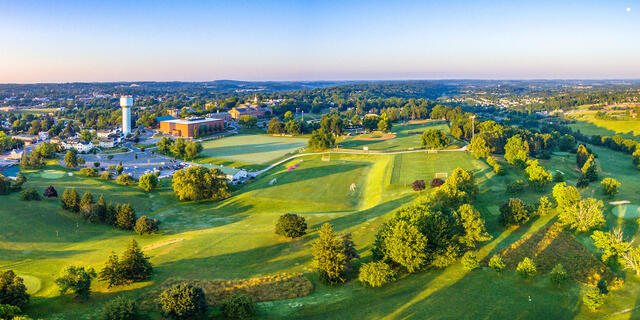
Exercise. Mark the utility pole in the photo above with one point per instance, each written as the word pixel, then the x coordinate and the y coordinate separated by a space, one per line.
pixel 473 127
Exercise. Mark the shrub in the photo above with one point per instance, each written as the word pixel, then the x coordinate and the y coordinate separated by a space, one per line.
pixel 148 182
pixel 9 312
pixel 526 268
pixel 436 182
pixel 121 308
pixel 105 175
pixel 146 225
pixel 558 275
pixel 125 179
pixel 558 176
pixel 238 306
pixel 514 212
pixel 78 280
pixel 291 225
pixel 515 187
pixel 376 274
pixel 50 192
pixel 12 289
pixel 29 194
pixel 593 299
pixel 183 301
pixel 418 185
pixel 496 263
pixel 89 172
pixel 470 261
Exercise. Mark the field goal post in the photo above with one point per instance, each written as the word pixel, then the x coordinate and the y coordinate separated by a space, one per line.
pixel 326 157
pixel 441 175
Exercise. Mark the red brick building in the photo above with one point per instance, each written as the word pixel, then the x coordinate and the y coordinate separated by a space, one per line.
pixel 192 127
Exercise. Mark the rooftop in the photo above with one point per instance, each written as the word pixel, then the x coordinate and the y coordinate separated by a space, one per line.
pixel 192 121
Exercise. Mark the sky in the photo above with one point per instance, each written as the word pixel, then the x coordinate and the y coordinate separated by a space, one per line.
pixel 85 40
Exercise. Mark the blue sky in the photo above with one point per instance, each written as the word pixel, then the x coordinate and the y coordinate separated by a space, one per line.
pixel 60 41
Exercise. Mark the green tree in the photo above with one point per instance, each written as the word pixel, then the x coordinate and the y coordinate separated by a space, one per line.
pixel 248 122
pixel 470 261
pixel 610 187
pixel 291 225
pixel 178 148
pixel 582 155
pixel 125 179
pixel 434 139
pixel 275 126
pixel 135 266
pixel 406 246
pixel 10 312
pixel 329 255
pixel 183 302
pixel 516 151
pixel 526 268
pixel 125 217
pixel 376 274
pixel 12 290
pixel 589 169
pixel 238 306
pixel 593 299
pixel 474 230
pixel 565 197
pixel 584 216
pixel 293 127
pixel 121 308
pixel 496 263
pixel 112 273
pixel 78 280
pixel 148 182
pixel 610 243
pixel 321 140
pixel 145 225
pixel 199 183
pixel 164 145
pixel 71 159
pixel 631 260
pixel 192 150
pixel 479 147
pixel 538 176
pixel 514 212
pixel 558 275
pixel 71 200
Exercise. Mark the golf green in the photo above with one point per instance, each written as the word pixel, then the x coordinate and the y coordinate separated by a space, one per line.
pixel 626 211
pixel 52 174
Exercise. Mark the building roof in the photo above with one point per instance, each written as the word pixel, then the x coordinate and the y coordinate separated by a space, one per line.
pixel 195 121
pixel 164 118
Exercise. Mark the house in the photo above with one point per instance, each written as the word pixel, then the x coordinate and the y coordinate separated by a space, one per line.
pixel 15 155
pixel 249 110
pixel 55 140
pixel 78 145
pixel 226 116
pixel 106 143
pixel 191 127
pixel 237 177
pixel 103 133
pixel 43 135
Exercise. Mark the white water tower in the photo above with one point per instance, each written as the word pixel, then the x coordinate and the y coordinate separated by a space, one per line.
pixel 126 102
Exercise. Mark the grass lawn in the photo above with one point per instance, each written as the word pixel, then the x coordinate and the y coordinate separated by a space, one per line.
pixel 234 239
pixel 402 141
pixel 588 124
pixel 243 150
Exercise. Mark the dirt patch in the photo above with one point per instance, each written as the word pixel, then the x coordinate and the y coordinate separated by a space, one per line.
pixel 269 288
pixel 381 137
pixel 552 245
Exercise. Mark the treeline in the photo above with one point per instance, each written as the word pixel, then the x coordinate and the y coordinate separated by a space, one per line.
pixel 121 216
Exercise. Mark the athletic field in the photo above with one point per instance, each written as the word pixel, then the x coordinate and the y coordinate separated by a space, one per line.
pixel 251 149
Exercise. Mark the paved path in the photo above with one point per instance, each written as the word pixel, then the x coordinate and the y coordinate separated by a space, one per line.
pixel 257 173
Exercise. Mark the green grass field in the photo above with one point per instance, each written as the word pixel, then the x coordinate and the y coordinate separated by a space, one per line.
pixel 588 124
pixel 235 239
pixel 246 150
pixel 402 141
